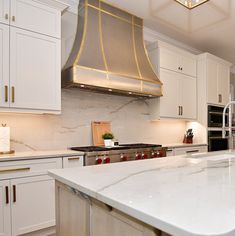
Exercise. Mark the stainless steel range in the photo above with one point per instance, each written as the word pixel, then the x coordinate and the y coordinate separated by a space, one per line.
pixel 96 155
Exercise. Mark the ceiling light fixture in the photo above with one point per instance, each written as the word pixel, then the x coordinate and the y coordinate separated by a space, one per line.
pixel 190 4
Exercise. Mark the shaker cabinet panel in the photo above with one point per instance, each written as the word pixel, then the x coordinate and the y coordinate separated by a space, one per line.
pixel 189 65
pixel 212 92
pixel 36 17
pixel 188 96
pixel 223 84
pixel 4 11
pixel 5 213
pixel 34 75
pixel 4 65
pixel 33 204
pixel 218 79
pixel 169 101
pixel 169 59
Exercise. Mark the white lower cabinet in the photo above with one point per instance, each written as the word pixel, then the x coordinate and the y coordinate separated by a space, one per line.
pixel 27 197
pixel 190 150
pixel 33 204
pixel 175 151
pixel 5 209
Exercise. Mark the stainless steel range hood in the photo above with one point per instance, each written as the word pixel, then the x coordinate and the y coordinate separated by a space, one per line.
pixel 109 54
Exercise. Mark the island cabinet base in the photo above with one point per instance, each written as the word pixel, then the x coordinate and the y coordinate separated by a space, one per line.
pixel 80 215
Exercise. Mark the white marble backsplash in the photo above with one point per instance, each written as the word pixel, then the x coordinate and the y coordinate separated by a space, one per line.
pixel 129 118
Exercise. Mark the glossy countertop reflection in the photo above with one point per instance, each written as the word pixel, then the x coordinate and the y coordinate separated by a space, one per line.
pixel 183 195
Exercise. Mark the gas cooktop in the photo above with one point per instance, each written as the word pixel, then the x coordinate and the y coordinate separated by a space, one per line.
pixel 120 147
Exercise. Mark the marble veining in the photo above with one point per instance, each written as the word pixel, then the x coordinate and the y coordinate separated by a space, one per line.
pixel 181 196
pixel 128 116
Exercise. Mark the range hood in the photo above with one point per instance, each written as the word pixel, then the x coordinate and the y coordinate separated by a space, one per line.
pixel 109 54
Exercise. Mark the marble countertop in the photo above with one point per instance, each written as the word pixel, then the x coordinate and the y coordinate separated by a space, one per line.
pixel 181 196
pixel 38 155
pixel 183 145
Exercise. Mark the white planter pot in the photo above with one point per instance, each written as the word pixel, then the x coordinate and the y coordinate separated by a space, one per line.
pixel 108 142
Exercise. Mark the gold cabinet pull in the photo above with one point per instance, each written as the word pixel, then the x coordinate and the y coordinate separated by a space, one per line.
pixel 16 169
pixel 6 16
pixel 13 18
pixel 13 94
pixel 6 93
pixel 74 158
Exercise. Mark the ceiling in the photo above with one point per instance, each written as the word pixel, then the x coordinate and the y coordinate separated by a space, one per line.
pixel 209 27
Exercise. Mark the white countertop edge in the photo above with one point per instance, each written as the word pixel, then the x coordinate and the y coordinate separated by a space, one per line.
pixel 184 145
pixel 38 155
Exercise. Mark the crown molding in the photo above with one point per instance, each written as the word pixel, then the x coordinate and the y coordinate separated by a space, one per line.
pixel 152 36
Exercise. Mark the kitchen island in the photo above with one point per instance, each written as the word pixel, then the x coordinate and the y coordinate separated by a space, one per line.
pixel 177 195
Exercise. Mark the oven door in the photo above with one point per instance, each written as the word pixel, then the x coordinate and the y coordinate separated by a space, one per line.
pixel 216 142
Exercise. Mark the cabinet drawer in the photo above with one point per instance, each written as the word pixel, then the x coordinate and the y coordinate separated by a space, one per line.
pixel 73 161
pixel 14 169
pixel 37 17
pixel 191 150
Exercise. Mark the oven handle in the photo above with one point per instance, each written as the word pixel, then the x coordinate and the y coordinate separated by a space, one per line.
pixel 217 113
pixel 218 137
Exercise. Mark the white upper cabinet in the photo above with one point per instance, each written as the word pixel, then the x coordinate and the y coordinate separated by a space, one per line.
pixel 177 61
pixel 188 97
pixel 36 17
pixel 169 102
pixel 4 65
pixel 177 70
pixel 216 78
pixel 223 83
pixel 30 56
pixel 35 71
pixel 5 11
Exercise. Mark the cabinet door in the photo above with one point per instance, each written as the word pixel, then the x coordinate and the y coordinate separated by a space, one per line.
pixel 36 17
pixel 4 11
pixel 188 96
pixel 212 89
pixel 33 207
pixel 189 65
pixel 5 212
pixel 169 60
pixel 35 74
pixel 223 84
pixel 169 103
pixel 4 65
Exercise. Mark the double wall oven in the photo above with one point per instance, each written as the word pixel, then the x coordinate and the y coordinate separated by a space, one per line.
pixel 215 120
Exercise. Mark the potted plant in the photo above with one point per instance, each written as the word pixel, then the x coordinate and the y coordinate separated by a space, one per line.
pixel 107 137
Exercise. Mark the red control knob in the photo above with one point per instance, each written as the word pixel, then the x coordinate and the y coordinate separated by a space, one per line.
pixel 145 156
pixel 138 156
pixel 99 161
pixel 107 160
pixel 123 158
pixel 155 154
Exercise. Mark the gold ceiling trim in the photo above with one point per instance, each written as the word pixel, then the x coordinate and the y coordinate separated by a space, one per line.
pixel 190 7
